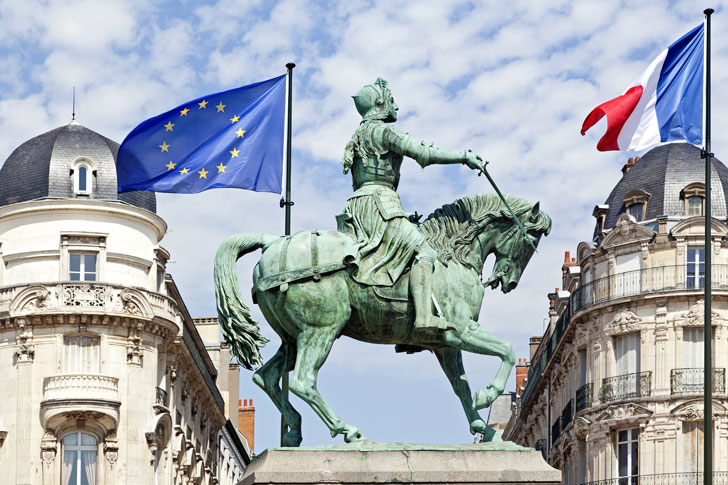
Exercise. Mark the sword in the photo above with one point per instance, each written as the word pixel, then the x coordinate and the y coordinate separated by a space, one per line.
pixel 513 214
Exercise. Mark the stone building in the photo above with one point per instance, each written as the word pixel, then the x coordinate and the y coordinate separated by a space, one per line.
pixel 614 387
pixel 104 376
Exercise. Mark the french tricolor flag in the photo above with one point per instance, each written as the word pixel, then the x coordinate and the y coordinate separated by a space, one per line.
pixel 664 104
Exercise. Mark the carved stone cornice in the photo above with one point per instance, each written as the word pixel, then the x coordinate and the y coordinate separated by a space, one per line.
pixel 24 347
pixel 695 316
pixel 625 321
pixel 628 412
pixel 693 411
pixel 48 449
pixel 111 448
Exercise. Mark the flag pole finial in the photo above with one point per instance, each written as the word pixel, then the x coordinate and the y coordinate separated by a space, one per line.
pixel 708 11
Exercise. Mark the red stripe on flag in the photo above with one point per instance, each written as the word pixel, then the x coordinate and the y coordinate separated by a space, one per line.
pixel 617 111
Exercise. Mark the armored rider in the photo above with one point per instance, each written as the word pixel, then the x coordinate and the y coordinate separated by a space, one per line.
pixel 386 238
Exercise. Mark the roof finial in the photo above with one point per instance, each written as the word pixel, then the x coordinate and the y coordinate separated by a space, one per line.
pixel 73 114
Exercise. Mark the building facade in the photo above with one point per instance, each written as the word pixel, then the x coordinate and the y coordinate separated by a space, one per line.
pixel 104 377
pixel 614 387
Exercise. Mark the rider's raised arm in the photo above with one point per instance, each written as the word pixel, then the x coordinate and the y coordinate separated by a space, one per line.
pixel 423 153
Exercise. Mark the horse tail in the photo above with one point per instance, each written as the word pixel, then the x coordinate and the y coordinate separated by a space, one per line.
pixel 239 328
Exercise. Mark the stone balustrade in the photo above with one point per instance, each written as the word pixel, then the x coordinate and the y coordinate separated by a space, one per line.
pixel 80 387
pixel 94 298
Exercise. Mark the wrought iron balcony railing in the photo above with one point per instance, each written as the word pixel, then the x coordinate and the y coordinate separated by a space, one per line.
pixel 567 414
pixel 555 431
pixel 631 283
pixel 690 380
pixel 626 386
pixel 162 398
pixel 687 478
pixel 583 397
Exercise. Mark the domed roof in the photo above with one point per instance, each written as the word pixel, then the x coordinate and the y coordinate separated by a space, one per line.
pixel 42 167
pixel 662 173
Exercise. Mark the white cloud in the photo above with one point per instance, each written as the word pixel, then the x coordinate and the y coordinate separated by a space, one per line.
pixel 512 80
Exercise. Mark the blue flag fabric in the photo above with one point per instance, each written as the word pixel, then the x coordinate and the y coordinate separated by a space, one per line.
pixel 228 139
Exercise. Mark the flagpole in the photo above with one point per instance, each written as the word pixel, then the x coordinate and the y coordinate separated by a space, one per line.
pixel 707 339
pixel 287 203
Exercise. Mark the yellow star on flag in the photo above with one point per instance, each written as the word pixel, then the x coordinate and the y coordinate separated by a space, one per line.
pixel 184 112
pixel 170 165
pixel 221 168
pixel 235 118
pixel 220 107
pixel 164 147
pixel 184 170
pixel 203 104
pixel 234 152
pixel 169 126
pixel 203 173
pixel 240 132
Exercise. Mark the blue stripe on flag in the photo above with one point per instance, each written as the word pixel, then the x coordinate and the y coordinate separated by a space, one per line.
pixel 679 104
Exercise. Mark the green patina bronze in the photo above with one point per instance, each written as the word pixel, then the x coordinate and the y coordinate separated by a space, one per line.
pixel 383 277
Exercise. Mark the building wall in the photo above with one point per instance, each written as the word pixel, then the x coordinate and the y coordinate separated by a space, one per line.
pixel 151 402
pixel 657 306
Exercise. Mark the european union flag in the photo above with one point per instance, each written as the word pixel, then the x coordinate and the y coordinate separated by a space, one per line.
pixel 228 139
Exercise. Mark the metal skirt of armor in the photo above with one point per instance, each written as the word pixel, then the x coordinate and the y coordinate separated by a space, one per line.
pixel 386 239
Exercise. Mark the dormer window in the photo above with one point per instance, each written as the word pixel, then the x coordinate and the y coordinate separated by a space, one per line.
pixel 694 198
pixel 82 172
pixel 635 203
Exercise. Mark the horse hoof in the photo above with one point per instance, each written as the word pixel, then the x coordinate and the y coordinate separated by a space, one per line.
pixel 354 435
pixel 484 398
pixel 478 426
pixel 292 439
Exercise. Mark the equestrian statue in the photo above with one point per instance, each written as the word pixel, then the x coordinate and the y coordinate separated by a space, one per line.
pixel 383 277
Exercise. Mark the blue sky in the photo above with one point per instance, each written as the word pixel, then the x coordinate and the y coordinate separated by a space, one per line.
pixel 511 80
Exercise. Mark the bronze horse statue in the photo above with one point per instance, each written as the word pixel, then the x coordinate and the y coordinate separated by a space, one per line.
pixel 304 290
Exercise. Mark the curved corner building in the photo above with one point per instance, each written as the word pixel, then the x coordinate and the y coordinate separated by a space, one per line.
pixel 614 388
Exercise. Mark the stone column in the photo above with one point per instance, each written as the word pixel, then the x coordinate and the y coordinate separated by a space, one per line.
pixel 662 367
pixel 24 355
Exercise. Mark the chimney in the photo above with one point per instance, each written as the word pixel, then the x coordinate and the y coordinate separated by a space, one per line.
pixel 246 421
pixel 630 163
pixel 521 374
pixel 568 263
pixel 533 344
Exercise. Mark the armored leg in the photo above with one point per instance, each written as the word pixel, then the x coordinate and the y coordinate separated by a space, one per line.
pixel 421 286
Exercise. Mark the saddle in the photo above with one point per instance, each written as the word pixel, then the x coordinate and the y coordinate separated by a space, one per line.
pixel 301 256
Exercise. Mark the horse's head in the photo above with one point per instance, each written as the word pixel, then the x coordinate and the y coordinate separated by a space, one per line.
pixel 513 249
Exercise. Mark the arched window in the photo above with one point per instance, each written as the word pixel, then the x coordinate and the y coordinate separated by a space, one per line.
pixel 80 451
pixel 82 173
pixel 694 198
pixel 635 203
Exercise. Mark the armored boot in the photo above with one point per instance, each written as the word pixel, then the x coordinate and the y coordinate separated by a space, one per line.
pixel 427 325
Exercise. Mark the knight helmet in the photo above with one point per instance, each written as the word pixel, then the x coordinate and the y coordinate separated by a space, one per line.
pixel 374 101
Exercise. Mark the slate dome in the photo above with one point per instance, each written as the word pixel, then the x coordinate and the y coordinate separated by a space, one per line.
pixel 43 167
pixel 662 174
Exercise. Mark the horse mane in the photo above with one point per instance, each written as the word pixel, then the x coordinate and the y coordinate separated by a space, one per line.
pixel 452 228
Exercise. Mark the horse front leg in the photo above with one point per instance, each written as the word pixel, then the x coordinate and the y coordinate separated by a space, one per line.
pixel 474 338
pixel 451 361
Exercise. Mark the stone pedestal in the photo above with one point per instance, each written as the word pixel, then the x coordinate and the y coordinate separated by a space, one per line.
pixel 369 462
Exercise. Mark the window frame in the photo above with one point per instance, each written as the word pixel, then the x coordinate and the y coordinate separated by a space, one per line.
pixel 77 449
pixel 82 271
pixel 635 198
pixel 83 243
pixel 698 277
pixel 692 191
pixel 90 169
pixel 633 452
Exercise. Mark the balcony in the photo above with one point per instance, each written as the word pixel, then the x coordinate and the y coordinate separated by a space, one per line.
pixel 567 414
pixel 555 431
pixel 690 381
pixel 627 386
pixel 687 478
pixel 632 283
pixel 81 386
pixel 67 394
pixel 162 398
pixel 584 397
